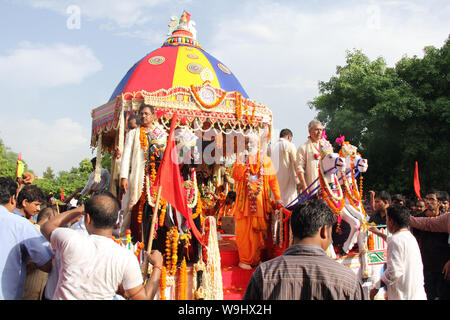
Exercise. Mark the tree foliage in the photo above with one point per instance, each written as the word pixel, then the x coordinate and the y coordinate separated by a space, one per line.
pixel 52 183
pixel 68 180
pixel 395 116
pixel 8 162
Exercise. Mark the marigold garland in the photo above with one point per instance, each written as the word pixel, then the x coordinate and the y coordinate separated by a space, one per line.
pixel 182 293
pixel 199 208
pixel 238 103
pixel 143 139
pixel 171 256
pixel 253 195
pixel 162 216
pixel 328 197
pixel 163 284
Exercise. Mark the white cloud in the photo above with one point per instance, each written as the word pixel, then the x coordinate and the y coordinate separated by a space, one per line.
pixel 39 65
pixel 281 52
pixel 60 144
pixel 121 13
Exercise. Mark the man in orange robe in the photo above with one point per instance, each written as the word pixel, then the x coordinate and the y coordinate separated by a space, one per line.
pixel 254 179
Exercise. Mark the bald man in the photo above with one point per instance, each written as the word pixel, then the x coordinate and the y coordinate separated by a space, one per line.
pixel 93 266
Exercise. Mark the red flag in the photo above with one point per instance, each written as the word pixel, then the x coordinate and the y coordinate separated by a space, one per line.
pixel 171 182
pixel 416 181
pixel 62 194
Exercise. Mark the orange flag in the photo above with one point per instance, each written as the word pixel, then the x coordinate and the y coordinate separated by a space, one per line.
pixel 171 182
pixel 416 181
pixel 62 194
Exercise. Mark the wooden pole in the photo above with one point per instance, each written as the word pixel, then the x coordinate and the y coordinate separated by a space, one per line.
pixel 152 230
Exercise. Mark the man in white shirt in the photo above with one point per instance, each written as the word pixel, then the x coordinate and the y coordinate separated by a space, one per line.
pixel 403 276
pixel 284 158
pixel 93 266
pixel 138 142
pixel 308 156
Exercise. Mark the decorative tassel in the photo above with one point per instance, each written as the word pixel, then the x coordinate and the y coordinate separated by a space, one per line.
pixel 98 165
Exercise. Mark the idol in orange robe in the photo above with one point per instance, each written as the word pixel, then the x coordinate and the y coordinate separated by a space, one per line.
pixel 254 180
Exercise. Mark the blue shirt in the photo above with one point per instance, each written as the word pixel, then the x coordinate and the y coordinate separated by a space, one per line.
pixel 20 214
pixel 19 239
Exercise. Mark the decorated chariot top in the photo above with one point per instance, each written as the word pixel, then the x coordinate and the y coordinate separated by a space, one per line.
pixel 181 77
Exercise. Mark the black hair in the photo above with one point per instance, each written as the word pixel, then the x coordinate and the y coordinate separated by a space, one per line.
pixel 131 117
pixel 400 215
pixel 45 213
pixel 309 216
pixel 94 162
pixel 286 133
pixel 231 195
pixel 442 195
pixel 8 188
pixel 384 195
pixel 103 208
pixel 398 197
pixel 146 106
pixel 30 193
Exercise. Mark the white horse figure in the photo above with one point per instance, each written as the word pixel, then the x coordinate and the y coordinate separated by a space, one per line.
pixel 330 165
pixel 353 212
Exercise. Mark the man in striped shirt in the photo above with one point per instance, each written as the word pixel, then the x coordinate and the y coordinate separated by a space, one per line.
pixel 304 271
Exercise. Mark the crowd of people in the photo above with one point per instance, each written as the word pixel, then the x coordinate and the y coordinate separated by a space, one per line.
pixel 49 253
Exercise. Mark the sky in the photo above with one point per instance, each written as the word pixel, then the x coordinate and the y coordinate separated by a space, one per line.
pixel 61 59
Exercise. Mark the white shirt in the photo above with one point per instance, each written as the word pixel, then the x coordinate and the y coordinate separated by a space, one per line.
pixel 92 266
pixel 283 156
pixel 404 269
pixel 308 155
pixel 92 186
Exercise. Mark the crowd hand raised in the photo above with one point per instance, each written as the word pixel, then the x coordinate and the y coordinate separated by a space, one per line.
pixel 155 258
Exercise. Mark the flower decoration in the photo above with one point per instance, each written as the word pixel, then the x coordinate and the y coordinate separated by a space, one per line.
pixel 340 140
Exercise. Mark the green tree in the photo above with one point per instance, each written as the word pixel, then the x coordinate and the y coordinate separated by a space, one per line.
pixel 69 180
pixel 48 173
pixel 395 116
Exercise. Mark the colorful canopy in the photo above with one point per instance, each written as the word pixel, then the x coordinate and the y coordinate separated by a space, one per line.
pixel 177 65
pixel 182 78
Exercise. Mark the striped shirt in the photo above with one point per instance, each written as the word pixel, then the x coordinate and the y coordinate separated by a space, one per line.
pixel 303 272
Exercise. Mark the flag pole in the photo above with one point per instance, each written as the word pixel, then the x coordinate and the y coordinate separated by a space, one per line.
pixel 152 230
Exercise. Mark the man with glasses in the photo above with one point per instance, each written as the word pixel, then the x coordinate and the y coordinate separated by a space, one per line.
pixel 132 167
pixel 308 156
pixel 435 251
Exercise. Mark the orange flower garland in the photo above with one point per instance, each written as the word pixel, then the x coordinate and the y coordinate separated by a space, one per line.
pixel 171 256
pixel 141 207
pixel 328 198
pixel 199 208
pixel 163 283
pixel 143 139
pixel 182 294
pixel 162 216
pixel 238 102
